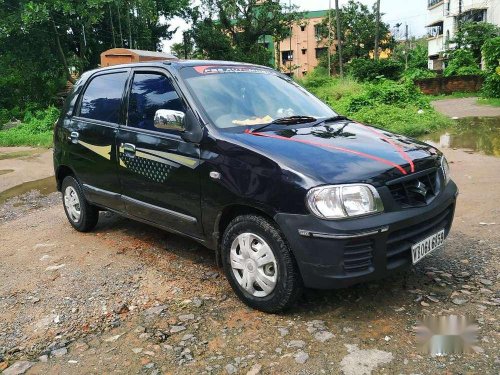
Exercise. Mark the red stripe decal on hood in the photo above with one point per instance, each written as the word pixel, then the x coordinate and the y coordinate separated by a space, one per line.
pixel 391 142
pixel 347 150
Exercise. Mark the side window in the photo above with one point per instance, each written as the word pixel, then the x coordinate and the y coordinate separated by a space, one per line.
pixel 151 92
pixel 102 98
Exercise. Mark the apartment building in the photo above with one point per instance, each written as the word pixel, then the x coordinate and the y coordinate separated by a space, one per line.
pixel 300 53
pixel 442 23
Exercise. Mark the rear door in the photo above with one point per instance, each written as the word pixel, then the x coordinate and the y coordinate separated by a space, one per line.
pixel 158 170
pixel 91 136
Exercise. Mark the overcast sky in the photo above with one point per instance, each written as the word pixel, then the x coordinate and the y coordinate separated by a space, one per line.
pixel 412 12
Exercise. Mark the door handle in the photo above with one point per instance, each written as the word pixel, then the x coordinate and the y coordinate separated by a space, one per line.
pixel 73 137
pixel 128 149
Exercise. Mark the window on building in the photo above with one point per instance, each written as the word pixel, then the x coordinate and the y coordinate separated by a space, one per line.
pixel 304 50
pixel 320 51
pixel 474 15
pixel 103 96
pixel 319 31
pixel 302 27
pixel 286 56
pixel 435 29
pixel 151 92
pixel 431 3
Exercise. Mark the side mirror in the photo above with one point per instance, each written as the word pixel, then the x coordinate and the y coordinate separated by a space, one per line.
pixel 186 123
pixel 169 119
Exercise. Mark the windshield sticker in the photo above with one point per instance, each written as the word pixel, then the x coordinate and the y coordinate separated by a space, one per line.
pixel 205 69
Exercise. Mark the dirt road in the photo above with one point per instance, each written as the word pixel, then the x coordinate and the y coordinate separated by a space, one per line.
pixel 129 298
pixel 465 107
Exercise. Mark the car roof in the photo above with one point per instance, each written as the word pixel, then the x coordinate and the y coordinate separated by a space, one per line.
pixel 176 64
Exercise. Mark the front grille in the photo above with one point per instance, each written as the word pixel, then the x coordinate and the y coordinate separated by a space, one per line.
pixel 399 242
pixel 417 191
pixel 358 255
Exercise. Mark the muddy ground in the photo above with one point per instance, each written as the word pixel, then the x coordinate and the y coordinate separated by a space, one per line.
pixel 129 298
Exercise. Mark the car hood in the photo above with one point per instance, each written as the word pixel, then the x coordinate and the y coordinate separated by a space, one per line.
pixel 341 152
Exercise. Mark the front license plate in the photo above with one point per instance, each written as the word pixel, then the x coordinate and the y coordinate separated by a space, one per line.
pixel 427 246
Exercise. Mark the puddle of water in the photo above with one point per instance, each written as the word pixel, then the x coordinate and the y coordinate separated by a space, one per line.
pixel 5 171
pixel 45 186
pixel 476 134
pixel 20 154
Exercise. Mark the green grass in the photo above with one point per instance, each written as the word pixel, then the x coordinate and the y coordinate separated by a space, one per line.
pixel 14 137
pixel 489 101
pixel 36 129
pixel 397 107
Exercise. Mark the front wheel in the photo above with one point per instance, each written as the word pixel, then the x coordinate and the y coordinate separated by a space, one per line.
pixel 259 265
pixel 81 214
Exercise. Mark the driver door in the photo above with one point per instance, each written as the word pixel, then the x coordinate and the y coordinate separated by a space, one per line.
pixel 158 170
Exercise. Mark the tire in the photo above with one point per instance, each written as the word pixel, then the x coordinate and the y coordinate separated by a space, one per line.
pixel 269 283
pixel 80 213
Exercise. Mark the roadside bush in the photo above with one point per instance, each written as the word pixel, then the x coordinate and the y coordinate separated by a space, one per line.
pixel 36 129
pixel 369 70
pixel 409 120
pixel 389 93
pixel 398 107
pixel 411 74
pixel 491 53
pixel 461 63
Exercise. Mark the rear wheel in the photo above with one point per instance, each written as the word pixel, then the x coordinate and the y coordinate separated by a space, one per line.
pixel 81 214
pixel 259 265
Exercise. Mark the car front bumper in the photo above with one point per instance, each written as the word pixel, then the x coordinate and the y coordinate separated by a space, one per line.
pixel 335 254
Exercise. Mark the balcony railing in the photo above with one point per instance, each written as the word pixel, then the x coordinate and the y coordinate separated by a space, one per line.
pixel 431 3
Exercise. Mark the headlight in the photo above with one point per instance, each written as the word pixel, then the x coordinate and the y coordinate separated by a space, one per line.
pixel 344 201
pixel 446 169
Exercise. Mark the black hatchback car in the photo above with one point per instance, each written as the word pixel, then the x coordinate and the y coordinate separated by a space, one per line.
pixel 248 163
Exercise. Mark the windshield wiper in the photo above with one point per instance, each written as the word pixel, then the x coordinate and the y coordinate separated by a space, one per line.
pixel 290 120
pixel 330 119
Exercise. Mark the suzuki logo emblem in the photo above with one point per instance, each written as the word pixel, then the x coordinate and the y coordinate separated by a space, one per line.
pixel 420 188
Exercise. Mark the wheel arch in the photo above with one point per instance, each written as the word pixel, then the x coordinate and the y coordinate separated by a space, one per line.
pixel 227 214
pixel 62 172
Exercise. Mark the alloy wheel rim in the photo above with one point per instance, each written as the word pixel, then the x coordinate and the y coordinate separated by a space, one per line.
pixel 72 204
pixel 253 264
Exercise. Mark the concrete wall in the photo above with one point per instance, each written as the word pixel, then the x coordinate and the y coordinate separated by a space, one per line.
pixel 448 85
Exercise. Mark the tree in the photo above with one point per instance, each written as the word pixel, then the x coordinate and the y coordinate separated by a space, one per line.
pixel 234 29
pixel 40 40
pixel 473 35
pixel 461 62
pixel 358 25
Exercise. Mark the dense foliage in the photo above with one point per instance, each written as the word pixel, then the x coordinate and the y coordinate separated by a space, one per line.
pixel 358 25
pixel 42 40
pixel 472 35
pixel 235 29
pixel 369 69
pixel 461 62
pixel 491 52
pixel 398 107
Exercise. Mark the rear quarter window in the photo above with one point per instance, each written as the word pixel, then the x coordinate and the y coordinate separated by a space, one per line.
pixel 103 97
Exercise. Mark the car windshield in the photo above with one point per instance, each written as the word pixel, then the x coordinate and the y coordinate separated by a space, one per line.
pixel 237 97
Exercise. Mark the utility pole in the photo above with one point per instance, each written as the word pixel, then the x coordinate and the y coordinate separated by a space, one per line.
pixel 459 20
pixel 339 39
pixel 377 31
pixel 329 37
